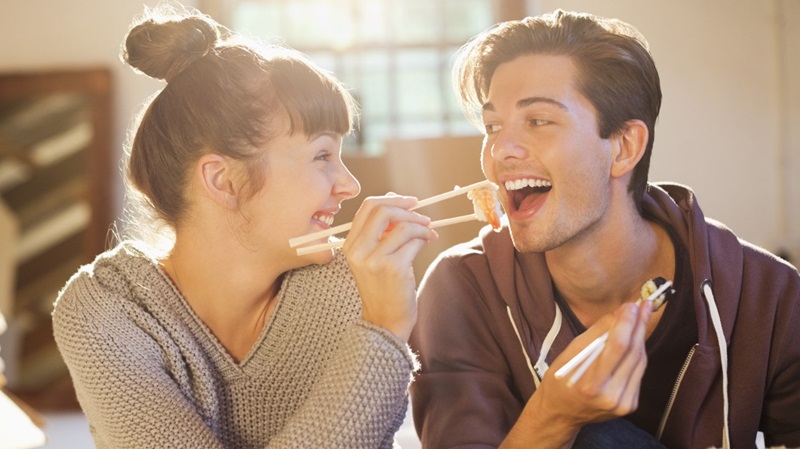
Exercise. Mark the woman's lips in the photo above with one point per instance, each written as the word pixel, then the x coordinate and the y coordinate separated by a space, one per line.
pixel 323 218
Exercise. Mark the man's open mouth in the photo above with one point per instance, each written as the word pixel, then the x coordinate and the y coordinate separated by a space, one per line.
pixel 523 194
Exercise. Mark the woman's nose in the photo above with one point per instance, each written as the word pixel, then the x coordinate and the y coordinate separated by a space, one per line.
pixel 346 185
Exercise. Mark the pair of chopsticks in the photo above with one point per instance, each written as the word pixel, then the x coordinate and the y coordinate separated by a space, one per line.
pixel 589 354
pixel 297 241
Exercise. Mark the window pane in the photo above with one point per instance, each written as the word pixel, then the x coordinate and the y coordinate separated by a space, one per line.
pixel 389 53
pixel 452 103
pixel 415 21
pixel 372 22
pixel 421 129
pixel 374 87
pixel 466 18
pixel 257 19
pixel 461 127
pixel 419 95
pixel 375 134
pixel 318 23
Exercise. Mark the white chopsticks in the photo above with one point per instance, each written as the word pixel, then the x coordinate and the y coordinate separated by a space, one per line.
pixel 587 356
pixel 297 241
pixel 339 243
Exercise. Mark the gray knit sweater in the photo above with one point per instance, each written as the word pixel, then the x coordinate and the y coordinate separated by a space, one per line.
pixel 148 372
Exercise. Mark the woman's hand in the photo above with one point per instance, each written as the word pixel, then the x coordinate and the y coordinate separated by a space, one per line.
pixel 380 248
pixel 608 389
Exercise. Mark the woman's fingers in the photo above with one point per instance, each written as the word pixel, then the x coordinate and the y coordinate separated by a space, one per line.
pixel 384 224
pixel 380 248
pixel 376 205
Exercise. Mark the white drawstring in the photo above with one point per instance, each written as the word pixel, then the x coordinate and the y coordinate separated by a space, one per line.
pixel 541 363
pixel 524 352
pixel 723 354
pixel 538 371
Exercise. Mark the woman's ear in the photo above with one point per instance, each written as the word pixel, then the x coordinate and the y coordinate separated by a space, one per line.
pixel 216 176
pixel 630 144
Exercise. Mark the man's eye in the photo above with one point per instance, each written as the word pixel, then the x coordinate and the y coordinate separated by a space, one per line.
pixel 323 156
pixel 490 128
pixel 538 122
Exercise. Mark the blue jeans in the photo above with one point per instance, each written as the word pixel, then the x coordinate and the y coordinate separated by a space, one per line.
pixel 615 434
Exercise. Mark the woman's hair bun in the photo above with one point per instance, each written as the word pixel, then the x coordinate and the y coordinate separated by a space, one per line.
pixel 162 46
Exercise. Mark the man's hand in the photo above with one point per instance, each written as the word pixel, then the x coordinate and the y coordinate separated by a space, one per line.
pixel 608 389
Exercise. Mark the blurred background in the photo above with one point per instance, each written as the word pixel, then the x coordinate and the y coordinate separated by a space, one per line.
pixel 729 128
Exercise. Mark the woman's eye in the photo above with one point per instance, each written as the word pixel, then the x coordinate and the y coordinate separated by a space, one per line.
pixel 491 128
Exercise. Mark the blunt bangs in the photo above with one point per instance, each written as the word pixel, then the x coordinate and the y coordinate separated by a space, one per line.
pixel 314 101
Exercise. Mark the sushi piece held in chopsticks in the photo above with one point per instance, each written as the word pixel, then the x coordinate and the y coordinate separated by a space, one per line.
pixel 487 207
pixel 652 286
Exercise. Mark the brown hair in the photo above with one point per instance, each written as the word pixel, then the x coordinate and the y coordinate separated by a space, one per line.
pixel 617 74
pixel 225 95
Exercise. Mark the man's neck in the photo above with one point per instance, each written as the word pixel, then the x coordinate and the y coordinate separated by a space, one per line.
pixel 599 272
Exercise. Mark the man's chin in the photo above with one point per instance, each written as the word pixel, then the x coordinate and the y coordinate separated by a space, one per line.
pixel 524 246
pixel 524 239
pixel 523 243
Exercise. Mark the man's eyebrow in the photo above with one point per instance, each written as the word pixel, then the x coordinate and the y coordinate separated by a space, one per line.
pixel 525 102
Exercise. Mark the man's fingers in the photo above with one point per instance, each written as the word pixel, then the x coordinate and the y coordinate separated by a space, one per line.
pixel 620 339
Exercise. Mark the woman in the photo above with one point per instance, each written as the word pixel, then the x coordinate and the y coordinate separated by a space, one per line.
pixel 230 339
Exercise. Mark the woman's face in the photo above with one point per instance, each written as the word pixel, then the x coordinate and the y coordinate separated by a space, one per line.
pixel 305 182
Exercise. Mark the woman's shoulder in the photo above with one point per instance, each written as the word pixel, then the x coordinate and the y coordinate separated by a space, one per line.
pixel 335 273
pixel 107 282
pixel 326 288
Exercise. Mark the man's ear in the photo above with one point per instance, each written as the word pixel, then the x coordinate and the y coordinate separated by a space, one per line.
pixel 629 146
pixel 216 176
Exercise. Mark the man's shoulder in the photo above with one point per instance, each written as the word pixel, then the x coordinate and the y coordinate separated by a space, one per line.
pixel 762 265
pixel 488 247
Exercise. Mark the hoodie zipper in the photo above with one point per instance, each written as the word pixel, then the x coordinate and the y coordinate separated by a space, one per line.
pixel 667 411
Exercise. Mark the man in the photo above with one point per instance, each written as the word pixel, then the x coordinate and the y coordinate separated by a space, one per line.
pixel 569 104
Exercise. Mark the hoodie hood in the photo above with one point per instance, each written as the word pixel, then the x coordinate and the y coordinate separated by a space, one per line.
pixel 716 258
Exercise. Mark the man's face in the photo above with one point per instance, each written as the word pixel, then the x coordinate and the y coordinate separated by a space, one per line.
pixel 543 149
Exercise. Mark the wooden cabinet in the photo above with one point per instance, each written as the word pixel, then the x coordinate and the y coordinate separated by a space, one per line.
pixel 55 171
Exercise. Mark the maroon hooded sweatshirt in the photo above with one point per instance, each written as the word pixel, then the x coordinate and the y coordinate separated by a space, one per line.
pixel 474 379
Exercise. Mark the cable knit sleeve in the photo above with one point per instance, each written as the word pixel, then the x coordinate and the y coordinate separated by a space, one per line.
pixel 119 372
pixel 360 399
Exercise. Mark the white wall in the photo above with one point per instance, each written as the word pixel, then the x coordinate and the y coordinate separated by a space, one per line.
pixel 730 76
pixel 730 72
pixel 789 41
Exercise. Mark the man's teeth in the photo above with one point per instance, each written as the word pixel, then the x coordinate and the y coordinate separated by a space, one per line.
pixel 522 183
pixel 327 219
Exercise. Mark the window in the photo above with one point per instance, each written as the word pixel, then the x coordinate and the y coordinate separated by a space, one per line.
pixel 395 56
